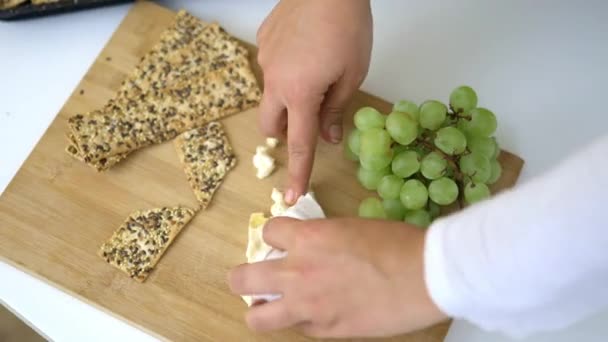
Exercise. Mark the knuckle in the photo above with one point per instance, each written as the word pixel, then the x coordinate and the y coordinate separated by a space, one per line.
pixel 299 150
pixel 318 307
pixel 308 236
pixel 331 116
pixel 334 111
pixel 299 90
pixel 262 57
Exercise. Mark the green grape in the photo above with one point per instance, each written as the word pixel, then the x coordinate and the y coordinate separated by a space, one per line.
pixel 443 191
pixel 402 127
pixel 398 148
pixel 496 171
pixel 482 123
pixel 405 106
pixel 419 218
pixel 405 164
pixel 432 114
pixel 475 192
pixel 375 153
pixel 370 179
pixel 349 154
pixel 434 209
pixel 368 117
pixel 371 207
pixel 482 145
pixel 375 162
pixel 374 141
pixel 413 194
pixel 476 166
pixel 450 140
pixel 390 187
pixel 433 165
pixel 394 209
pixel 462 125
pixel 463 99
pixel 354 141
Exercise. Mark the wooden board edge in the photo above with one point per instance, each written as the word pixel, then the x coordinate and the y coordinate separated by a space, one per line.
pixel 80 298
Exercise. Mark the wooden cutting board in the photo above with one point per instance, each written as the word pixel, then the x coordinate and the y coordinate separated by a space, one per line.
pixel 56 211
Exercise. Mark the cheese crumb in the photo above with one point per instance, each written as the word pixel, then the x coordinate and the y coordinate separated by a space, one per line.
pixel 263 163
pixel 272 142
pixel 278 206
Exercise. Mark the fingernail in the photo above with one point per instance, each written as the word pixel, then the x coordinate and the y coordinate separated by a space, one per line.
pixel 335 133
pixel 290 196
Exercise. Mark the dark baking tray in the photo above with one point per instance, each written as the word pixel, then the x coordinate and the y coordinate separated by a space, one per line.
pixel 30 11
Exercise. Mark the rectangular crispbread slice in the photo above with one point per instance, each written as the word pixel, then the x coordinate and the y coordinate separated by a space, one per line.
pixel 139 243
pixel 186 50
pixel 153 65
pixel 209 51
pixel 207 157
pixel 125 126
pixel 100 165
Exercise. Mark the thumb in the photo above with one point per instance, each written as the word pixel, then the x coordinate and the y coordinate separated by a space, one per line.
pixel 336 100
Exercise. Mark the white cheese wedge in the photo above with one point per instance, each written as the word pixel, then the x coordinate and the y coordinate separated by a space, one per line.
pixel 263 162
pixel 306 208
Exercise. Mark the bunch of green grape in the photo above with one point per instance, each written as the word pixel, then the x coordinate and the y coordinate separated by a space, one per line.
pixel 420 158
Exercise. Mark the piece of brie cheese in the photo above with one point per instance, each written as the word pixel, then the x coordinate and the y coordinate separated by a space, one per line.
pixel 257 249
pixel 306 208
pixel 278 206
pixel 263 162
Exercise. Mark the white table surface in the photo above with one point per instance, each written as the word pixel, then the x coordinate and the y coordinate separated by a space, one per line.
pixel 540 65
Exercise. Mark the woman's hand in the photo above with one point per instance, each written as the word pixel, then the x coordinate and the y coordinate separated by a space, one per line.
pixel 315 55
pixel 341 278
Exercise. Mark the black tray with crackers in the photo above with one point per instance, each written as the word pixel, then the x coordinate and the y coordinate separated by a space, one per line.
pixel 22 9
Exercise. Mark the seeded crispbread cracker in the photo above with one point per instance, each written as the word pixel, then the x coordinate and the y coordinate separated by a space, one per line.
pixel 139 243
pixel 124 126
pixel 189 48
pixel 187 51
pixel 101 165
pixel 152 65
pixel 207 157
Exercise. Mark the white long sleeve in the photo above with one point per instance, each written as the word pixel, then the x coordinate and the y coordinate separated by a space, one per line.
pixel 532 259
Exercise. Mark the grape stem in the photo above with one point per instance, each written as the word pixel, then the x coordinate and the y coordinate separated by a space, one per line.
pixel 453 161
pixel 457 114
pixel 450 159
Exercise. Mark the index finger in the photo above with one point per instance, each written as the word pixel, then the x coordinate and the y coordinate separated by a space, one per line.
pixel 302 131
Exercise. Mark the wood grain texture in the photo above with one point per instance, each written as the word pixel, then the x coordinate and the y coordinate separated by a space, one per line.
pixel 56 212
